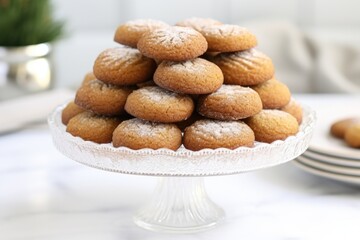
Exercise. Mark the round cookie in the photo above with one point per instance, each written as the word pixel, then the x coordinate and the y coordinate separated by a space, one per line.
pixel 245 68
pixel 339 127
pixel 159 105
pixel 214 134
pixel 92 127
pixel 123 66
pixel 69 112
pixel 196 76
pixel 136 134
pixel 272 125
pixel 130 32
pixel 352 135
pixel 295 109
pixel 198 23
pixel 273 94
pixel 230 102
pixel 88 77
pixel 102 98
pixel 172 44
pixel 228 38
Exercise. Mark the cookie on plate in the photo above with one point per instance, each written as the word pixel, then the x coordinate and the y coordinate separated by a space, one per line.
pixel 92 127
pixel 172 44
pixel 352 135
pixel 272 125
pixel 159 105
pixel 196 76
pixel 102 98
pixel 273 93
pixel 70 111
pixel 123 66
pixel 136 134
pixel 339 127
pixel 228 38
pixel 245 68
pixel 230 102
pixel 130 32
pixel 214 134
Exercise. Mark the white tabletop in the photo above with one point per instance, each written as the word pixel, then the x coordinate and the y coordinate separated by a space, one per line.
pixel 44 195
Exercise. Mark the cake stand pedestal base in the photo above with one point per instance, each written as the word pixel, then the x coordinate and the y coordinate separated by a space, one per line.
pixel 179 204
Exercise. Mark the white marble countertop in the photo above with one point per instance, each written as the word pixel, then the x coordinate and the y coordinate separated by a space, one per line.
pixel 44 195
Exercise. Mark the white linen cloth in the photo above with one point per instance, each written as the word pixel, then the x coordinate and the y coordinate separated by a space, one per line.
pixel 19 112
pixel 307 63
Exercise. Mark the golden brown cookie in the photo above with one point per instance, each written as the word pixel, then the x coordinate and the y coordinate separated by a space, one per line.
pixel 130 32
pixel 339 127
pixel 92 127
pixel 136 134
pixel 69 112
pixel 214 134
pixel 228 38
pixel 352 135
pixel 88 77
pixel 198 23
pixel 272 125
pixel 230 102
pixel 172 44
pixel 273 94
pixel 102 98
pixel 295 109
pixel 245 68
pixel 123 66
pixel 159 105
pixel 196 76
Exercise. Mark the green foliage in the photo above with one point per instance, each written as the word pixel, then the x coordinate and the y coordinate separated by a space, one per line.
pixel 27 22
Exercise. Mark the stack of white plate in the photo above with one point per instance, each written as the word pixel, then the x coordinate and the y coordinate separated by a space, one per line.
pixel 327 156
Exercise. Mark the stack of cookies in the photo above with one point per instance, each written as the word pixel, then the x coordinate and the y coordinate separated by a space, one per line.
pixel 200 83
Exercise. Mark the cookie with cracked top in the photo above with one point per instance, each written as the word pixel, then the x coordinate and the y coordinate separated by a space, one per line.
pixel 228 38
pixel 230 102
pixel 159 105
pixel 130 32
pixel 172 44
pixel 123 66
pixel 196 76
pixel 102 98
pixel 136 134
pixel 214 134
pixel 92 127
pixel 245 68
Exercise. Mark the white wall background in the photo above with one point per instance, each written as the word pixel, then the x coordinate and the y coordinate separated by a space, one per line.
pixel 91 24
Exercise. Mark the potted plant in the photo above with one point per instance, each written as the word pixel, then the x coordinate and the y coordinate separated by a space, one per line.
pixel 27 31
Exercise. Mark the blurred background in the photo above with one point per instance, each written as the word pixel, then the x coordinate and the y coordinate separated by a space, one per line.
pixel 315 44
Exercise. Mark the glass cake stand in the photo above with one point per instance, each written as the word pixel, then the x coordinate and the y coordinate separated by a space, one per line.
pixel 180 202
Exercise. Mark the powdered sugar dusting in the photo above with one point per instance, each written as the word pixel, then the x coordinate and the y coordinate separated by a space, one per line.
pixel 158 94
pixel 218 128
pixel 145 24
pixel 145 128
pixel 225 29
pixel 196 65
pixel 173 36
pixel 232 90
